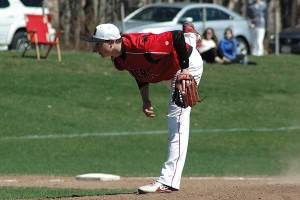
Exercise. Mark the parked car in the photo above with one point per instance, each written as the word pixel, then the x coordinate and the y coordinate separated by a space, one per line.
pixel 162 17
pixel 13 24
pixel 289 41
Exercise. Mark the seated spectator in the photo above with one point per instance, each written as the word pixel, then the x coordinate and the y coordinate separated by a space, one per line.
pixel 228 49
pixel 208 47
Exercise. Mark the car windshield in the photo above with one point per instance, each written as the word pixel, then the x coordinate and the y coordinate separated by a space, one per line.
pixel 157 14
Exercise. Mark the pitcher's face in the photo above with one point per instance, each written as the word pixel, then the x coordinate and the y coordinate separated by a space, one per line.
pixel 104 48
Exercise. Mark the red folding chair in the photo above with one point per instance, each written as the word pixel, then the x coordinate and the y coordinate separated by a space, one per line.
pixel 37 27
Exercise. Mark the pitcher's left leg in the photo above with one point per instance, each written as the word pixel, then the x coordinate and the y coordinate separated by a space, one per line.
pixel 178 122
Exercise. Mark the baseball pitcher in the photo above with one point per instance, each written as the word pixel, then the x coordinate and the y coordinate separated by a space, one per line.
pixel 152 58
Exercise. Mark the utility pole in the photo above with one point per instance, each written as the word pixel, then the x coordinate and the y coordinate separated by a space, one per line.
pixel 123 16
pixel 277 20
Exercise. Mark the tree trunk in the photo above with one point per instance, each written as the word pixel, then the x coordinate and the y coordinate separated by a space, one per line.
pixel 76 22
pixel 101 11
pixel 65 20
pixel 294 13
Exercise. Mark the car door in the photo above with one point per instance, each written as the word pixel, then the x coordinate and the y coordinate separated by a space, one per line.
pixel 218 20
pixel 7 18
pixel 209 17
pixel 196 15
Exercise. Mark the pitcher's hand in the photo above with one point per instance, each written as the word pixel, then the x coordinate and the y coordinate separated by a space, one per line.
pixel 148 110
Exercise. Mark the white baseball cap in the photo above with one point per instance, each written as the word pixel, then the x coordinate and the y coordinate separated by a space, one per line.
pixel 104 32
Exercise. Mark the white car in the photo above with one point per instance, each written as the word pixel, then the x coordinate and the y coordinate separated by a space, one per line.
pixel 161 17
pixel 12 23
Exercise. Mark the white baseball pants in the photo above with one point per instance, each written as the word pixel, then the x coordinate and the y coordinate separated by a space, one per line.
pixel 179 126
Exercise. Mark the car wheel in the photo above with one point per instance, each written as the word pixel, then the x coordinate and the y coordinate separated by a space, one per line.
pixel 19 41
pixel 242 47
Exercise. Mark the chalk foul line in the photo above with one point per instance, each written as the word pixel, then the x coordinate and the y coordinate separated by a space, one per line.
pixel 107 134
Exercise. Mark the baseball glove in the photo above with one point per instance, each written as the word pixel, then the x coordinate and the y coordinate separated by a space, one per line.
pixel 190 96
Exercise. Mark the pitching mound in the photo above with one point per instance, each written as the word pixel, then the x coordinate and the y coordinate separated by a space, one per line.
pixel 271 188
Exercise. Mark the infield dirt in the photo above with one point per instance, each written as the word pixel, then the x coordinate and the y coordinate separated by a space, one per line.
pixel 210 188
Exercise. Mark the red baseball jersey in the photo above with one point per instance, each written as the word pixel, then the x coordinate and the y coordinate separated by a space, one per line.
pixel 152 58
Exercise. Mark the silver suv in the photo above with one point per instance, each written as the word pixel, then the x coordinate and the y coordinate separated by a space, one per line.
pixel 12 23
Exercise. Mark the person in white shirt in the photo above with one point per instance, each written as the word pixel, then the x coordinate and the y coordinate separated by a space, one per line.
pixel 208 47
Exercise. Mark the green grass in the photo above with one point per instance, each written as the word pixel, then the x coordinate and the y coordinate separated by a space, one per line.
pixel 85 94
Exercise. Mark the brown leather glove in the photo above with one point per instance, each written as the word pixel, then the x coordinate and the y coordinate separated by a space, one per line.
pixel 189 96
